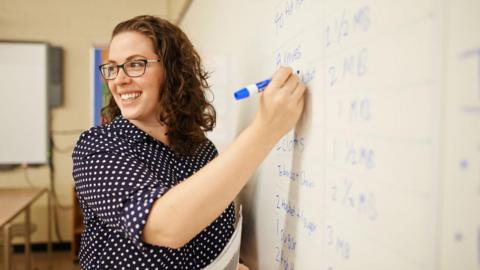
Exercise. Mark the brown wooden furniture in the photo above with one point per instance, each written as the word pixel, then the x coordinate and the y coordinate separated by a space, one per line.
pixel 14 201
pixel 77 227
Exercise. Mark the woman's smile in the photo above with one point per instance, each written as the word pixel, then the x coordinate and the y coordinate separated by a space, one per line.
pixel 130 96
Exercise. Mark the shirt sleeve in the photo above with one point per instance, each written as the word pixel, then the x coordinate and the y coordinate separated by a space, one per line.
pixel 120 190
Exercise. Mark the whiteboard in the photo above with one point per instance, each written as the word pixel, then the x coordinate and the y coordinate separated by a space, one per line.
pixel 23 103
pixel 383 170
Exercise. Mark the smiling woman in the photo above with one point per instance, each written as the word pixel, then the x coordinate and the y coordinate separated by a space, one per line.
pixel 153 192
pixel 181 103
pixel 136 96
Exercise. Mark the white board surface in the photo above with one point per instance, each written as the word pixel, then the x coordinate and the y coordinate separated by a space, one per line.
pixel 23 103
pixel 383 171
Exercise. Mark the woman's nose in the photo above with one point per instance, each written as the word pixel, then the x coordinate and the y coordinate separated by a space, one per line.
pixel 122 77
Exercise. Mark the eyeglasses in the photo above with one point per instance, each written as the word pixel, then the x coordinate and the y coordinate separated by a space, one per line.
pixel 132 68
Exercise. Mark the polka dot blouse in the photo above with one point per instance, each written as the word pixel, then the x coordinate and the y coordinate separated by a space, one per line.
pixel 119 172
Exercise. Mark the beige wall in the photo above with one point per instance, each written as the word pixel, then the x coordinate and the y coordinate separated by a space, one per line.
pixel 175 8
pixel 74 26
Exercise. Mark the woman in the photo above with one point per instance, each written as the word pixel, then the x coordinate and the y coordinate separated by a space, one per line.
pixel 153 190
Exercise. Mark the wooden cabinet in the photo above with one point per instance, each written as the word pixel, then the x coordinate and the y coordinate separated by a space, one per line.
pixel 77 227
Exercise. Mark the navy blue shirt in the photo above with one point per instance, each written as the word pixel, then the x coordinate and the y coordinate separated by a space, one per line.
pixel 119 172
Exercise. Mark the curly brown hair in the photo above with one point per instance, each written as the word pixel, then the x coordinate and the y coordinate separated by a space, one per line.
pixel 184 108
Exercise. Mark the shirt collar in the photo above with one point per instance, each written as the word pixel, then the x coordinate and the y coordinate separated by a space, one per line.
pixel 128 130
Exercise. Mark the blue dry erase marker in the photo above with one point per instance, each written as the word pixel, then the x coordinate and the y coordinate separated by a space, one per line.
pixel 251 89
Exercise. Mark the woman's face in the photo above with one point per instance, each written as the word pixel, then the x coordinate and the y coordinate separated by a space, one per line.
pixel 137 97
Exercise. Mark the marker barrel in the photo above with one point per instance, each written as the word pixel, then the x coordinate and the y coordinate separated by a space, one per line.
pixel 251 89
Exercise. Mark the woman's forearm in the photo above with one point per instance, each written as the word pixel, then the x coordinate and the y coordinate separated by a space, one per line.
pixel 192 205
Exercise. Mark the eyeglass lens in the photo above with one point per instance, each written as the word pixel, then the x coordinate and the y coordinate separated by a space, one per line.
pixel 133 68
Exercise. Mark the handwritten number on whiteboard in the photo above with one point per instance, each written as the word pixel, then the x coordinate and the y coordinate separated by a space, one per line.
pixel 332 76
pixel 334 193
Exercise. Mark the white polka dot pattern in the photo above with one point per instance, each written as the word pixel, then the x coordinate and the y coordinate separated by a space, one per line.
pixel 119 172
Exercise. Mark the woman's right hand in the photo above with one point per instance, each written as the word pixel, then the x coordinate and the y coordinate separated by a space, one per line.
pixel 281 103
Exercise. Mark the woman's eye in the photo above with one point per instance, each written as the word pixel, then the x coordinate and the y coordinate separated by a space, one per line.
pixel 108 69
pixel 136 64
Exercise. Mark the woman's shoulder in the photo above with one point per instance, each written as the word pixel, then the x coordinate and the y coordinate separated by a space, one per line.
pixel 205 152
pixel 97 139
pixel 95 134
pixel 209 147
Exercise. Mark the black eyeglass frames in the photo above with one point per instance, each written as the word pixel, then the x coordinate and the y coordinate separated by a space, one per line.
pixel 132 68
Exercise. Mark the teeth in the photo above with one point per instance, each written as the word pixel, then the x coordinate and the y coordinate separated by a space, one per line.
pixel 130 96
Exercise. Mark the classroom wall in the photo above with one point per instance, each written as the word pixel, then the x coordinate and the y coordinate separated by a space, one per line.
pixel 75 26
